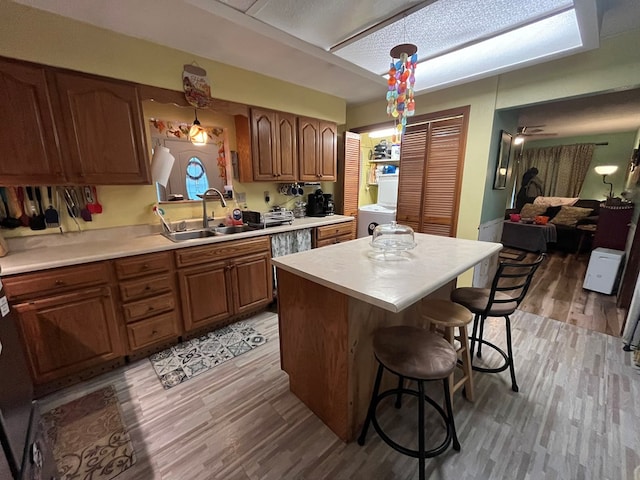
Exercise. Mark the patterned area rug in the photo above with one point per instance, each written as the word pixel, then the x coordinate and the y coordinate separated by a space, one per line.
pixel 512 254
pixel 88 437
pixel 193 357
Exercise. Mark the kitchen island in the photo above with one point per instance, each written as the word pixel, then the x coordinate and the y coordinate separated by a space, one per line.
pixel 331 300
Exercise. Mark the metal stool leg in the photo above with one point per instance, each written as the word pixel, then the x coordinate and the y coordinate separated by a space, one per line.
pixel 400 387
pixel 447 398
pixel 474 334
pixel 482 319
pixel 421 452
pixel 372 406
pixel 514 385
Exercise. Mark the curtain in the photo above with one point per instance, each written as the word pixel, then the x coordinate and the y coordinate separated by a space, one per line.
pixel 562 169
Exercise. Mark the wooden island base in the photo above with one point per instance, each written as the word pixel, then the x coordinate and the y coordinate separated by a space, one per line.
pixel 326 348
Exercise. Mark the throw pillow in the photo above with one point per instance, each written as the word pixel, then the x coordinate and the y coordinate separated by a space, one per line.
pixel 569 216
pixel 552 211
pixel 529 210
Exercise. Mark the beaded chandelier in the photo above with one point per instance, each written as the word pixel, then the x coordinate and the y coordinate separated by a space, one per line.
pixel 400 101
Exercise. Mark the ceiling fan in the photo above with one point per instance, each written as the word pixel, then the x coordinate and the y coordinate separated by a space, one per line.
pixel 532 130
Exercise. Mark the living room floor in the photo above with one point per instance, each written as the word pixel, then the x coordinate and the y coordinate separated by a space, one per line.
pixel 556 292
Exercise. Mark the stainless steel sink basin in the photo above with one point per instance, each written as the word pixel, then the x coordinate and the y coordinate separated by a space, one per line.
pixel 234 229
pixel 189 235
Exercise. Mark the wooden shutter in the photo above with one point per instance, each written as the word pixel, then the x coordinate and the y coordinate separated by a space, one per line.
pixel 442 177
pixel 410 179
pixel 351 175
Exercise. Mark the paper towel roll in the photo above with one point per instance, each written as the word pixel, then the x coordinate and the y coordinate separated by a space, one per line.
pixel 161 165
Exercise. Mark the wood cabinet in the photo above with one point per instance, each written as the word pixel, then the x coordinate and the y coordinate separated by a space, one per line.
pixel 66 328
pixel 223 280
pixel 149 305
pixel 268 148
pixel 332 234
pixel 28 138
pixel 317 150
pixel 66 127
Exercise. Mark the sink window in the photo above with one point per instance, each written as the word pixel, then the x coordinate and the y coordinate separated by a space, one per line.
pixel 195 178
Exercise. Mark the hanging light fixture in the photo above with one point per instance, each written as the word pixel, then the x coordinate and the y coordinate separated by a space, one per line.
pixel 197 135
pixel 605 170
pixel 400 100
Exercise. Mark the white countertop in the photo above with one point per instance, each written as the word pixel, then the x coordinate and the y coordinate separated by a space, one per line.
pixel 41 252
pixel 355 269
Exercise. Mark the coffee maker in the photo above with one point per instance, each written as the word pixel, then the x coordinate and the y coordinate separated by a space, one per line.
pixel 328 204
pixel 316 204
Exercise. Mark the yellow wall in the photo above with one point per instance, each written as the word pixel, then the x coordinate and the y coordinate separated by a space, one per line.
pixel 34 35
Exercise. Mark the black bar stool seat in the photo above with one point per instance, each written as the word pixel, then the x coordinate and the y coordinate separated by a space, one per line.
pixel 416 354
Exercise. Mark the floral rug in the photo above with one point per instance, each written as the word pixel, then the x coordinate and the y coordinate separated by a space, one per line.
pixel 188 359
pixel 88 437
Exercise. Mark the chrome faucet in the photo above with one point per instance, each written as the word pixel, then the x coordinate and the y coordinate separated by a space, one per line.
pixel 205 220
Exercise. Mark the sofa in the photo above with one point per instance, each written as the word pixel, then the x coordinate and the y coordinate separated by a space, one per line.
pixel 568 235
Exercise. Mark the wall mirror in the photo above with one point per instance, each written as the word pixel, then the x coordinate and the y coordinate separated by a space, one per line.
pixel 502 163
pixel 196 167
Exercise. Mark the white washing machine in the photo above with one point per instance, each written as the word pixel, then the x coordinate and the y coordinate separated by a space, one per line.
pixel 370 216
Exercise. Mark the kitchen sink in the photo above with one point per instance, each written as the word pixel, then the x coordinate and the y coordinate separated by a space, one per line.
pixel 189 235
pixel 234 229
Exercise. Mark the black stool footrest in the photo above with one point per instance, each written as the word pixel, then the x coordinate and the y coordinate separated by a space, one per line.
pixel 501 368
pixel 404 450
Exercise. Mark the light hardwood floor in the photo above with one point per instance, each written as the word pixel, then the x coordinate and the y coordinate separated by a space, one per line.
pixel 556 292
pixel 577 416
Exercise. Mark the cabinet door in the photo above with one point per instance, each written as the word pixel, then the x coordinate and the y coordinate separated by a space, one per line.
pixel 308 149
pixel 252 278
pixel 327 156
pixel 205 294
pixel 263 144
pixel 286 148
pixel 104 130
pixel 28 140
pixel 69 333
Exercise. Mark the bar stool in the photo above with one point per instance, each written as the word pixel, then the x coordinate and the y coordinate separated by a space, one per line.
pixel 413 353
pixel 508 288
pixel 444 317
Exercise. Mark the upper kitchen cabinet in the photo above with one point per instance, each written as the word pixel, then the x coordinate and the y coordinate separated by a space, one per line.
pixel 316 150
pixel 102 130
pixel 28 139
pixel 267 146
pixel 65 127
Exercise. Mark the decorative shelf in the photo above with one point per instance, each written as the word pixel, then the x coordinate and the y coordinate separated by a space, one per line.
pixel 384 160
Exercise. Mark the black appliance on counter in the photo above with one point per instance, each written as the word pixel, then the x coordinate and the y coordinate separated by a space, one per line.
pixel 24 453
pixel 316 204
pixel 328 204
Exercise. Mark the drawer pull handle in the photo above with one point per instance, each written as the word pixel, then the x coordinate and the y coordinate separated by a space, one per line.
pixel 145 266
pixel 150 308
pixel 59 282
pixel 148 287
pixel 154 332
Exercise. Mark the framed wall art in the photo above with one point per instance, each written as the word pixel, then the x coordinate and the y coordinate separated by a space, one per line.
pixel 502 163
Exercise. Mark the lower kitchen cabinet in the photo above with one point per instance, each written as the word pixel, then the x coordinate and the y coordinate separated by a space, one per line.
pixel 148 301
pixel 68 320
pixel 224 280
pixel 69 333
pixel 331 234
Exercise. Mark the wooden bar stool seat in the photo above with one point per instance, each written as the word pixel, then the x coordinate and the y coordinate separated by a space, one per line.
pixel 444 317
pixel 416 354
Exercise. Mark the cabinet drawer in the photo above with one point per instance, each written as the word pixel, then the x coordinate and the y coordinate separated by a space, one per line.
pixel 151 306
pixel 152 330
pixel 143 264
pixel 221 251
pixel 333 230
pixel 145 287
pixel 333 240
pixel 57 280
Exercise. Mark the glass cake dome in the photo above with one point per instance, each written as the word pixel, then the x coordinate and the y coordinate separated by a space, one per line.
pixel 392 237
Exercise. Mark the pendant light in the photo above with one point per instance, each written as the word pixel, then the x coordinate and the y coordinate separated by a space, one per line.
pixel 197 135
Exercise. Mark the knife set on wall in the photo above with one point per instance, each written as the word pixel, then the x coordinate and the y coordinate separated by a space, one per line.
pixel 37 207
